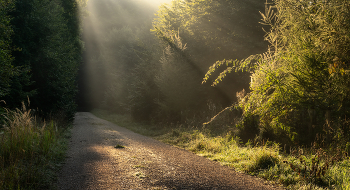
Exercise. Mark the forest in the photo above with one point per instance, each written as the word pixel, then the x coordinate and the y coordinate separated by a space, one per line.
pixel 272 74
pixel 153 68
pixel 40 53
pixel 283 67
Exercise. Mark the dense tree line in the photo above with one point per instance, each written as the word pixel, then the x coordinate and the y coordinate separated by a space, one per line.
pixel 42 54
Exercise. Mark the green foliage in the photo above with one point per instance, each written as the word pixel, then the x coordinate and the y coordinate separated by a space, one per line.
pixel 212 26
pixel 29 151
pixel 314 168
pixel 340 174
pixel 2 114
pixel 47 33
pixel 178 83
pixel 300 86
pixel 209 30
pixel 6 68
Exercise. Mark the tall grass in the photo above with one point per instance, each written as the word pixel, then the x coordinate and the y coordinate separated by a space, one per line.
pixel 30 151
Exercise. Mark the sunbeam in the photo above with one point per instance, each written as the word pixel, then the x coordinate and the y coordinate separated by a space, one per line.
pixel 110 33
pixel 130 68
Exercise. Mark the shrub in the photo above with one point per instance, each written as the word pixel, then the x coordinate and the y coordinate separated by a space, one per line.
pixel 299 87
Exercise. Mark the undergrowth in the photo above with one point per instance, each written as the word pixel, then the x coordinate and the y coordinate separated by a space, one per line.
pixel 30 151
pixel 301 168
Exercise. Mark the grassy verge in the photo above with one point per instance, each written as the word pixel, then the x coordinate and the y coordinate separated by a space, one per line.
pixel 300 169
pixel 30 151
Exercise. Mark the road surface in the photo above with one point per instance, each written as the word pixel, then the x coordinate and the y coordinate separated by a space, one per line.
pixel 94 162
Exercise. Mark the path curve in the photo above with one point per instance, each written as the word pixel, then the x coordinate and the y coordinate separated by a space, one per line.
pixel 93 162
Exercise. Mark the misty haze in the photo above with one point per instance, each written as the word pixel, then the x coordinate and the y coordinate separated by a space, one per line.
pixel 91 91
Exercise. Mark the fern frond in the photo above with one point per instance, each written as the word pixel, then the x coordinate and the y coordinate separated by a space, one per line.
pixel 245 65
pixel 212 69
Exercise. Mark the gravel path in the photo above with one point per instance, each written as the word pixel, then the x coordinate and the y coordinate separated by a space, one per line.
pixel 93 162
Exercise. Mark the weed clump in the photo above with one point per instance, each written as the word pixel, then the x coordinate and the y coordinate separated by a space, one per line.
pixel 265 160
pixel 119 146
pixel 29 151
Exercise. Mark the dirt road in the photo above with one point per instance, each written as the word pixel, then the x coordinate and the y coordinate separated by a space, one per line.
pixel 93 162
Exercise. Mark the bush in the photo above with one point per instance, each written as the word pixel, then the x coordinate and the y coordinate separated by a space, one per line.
pixel 299 87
